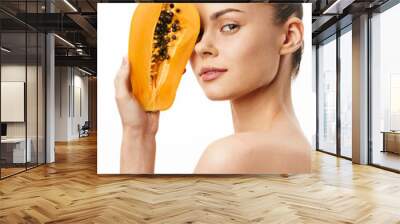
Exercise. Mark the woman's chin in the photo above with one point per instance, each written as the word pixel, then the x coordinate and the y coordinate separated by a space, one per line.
pixel 216 98
pixel 216 95
pixel 220 91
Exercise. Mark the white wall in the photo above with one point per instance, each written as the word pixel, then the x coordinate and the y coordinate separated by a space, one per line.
pixel 67 115
pixel 61 103
pixel 12 101
pixel 33 127
pixel 80 83
pixel 12 73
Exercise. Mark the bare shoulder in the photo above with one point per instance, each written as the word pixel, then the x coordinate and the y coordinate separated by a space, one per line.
pixel 256 153
pixel 220 156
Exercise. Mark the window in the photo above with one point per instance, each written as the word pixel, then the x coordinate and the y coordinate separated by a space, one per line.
pixel 327 96
pixel 346 92
pixel 385 89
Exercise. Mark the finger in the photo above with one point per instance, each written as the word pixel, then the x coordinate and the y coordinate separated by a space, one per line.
pixel 153 118
pixel 122 81
pixel 155 115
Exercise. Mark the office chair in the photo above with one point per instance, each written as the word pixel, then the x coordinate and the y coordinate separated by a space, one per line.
pixel 84 130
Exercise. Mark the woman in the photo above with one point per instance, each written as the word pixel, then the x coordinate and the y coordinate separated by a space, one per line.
pixel 248 54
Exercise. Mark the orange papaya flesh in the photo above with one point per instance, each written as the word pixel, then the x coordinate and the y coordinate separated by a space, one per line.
pixel 161 40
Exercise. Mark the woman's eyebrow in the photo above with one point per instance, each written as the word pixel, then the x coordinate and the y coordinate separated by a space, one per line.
pixel 222 12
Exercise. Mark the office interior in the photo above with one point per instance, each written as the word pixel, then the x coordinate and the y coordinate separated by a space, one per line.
pixel 48 114
pixel 48 81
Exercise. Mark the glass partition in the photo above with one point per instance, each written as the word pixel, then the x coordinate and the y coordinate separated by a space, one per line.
pixel 41 91
pixel 14 153
pixel 22 63
pixel 31 100
pixel 32 88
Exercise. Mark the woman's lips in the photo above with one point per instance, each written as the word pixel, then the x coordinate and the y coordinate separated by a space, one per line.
pixel 208 74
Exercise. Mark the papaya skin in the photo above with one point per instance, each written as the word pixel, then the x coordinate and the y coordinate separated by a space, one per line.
pixel 159 55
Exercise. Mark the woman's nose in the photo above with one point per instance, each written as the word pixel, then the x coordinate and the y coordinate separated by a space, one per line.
pixel 205 47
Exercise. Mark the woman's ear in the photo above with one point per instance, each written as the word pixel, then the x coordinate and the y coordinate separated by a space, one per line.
pixel 294 29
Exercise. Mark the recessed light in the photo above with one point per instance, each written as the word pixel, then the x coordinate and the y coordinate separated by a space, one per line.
pixel 5 50
pixel 70 5
pixel 338 6
pixel 64 40
pixel 84 71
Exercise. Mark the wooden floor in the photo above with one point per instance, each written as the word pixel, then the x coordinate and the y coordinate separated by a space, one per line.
pixel 70 191
pixel 388 159
pixel 10 171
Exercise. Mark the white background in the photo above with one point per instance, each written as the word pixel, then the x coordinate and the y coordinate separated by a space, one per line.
pixel 193 121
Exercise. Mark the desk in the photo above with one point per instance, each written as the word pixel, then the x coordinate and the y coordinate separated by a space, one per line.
pixel 16 147
pixel 391 141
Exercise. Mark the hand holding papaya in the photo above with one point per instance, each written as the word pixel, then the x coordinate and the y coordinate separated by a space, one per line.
pixel 139 127
pixel 133 117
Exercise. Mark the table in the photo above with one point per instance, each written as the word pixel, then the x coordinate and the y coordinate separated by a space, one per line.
pixel 391 141
pixel 16 147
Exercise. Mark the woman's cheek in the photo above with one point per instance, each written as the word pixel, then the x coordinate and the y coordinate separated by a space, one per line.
pixel 194 61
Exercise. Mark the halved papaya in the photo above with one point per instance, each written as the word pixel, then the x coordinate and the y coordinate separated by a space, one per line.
pixel 161 40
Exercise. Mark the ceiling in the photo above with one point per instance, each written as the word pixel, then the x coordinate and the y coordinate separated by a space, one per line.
pixel 77 25
pixel 330 16
pixel 76 22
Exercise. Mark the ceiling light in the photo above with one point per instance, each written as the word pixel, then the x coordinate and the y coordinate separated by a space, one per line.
pixel 70 5
pixel 84 71
pixel 338 6
pixel 64 40
pixel 5 50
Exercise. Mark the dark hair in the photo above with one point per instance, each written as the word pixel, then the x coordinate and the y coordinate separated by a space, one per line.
pixel 282 13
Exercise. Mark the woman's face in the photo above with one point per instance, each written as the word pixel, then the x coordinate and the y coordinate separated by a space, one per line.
pixel 238 48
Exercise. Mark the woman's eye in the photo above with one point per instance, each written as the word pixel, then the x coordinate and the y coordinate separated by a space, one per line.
pixel 229 27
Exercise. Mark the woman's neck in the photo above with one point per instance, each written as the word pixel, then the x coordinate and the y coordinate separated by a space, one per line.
pixel 267 107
